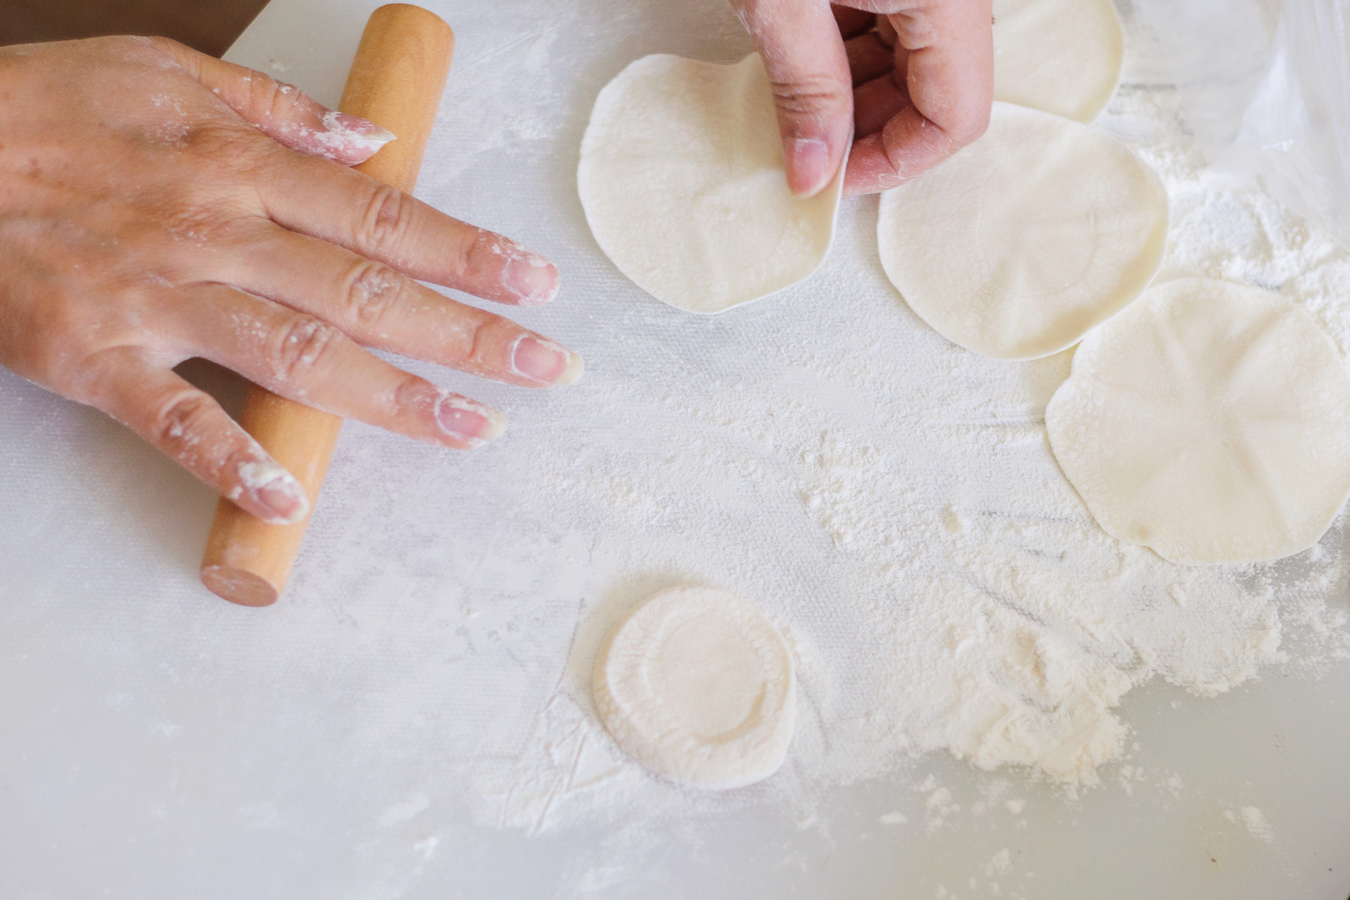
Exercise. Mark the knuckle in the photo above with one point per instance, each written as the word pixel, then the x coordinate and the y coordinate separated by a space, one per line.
pixel 276 100
pixel 303 345
pixel 238 466
pixel 386 220
pixel 178 421
pixel 809 96
pixel 475 346
pixel 372 290
pixel 409 398
pixel 67 355
pixel 157 42
pixel 484 339
pixel 212 140
pixel 66 366
pixel 915 31
pixel 139 47
pixel 972 127
pixel 194 221
pixel 481 253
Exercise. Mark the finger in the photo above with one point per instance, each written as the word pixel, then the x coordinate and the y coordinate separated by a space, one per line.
pixel 385 224
pixel 808 71
pixel 868 58
pixel 379 307
pixel 281 111
pixel 853 22
pixel 307 360
pixel 906 147
pixel 886 31
pixel 188 425
pixel 876 103
pixel 949 64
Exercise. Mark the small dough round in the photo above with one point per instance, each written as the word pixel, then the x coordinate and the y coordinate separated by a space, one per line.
pixel 698 686
pixel 1209 421
pixel 684 185
pixel 1062 56
pixel 1020 243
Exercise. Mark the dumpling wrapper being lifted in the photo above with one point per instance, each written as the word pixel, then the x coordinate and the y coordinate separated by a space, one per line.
pixel 1021 242
pixel 684 185
pixel 1209 421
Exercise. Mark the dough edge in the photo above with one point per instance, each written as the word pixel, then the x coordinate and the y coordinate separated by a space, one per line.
pixel 1074 395
pixel 647 753
pixel 833 191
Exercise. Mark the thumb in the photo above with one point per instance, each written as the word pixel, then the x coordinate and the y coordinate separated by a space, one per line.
pixel 283 112
pixel 812 89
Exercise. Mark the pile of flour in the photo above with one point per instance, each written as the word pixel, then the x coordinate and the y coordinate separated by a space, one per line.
pixel 887 497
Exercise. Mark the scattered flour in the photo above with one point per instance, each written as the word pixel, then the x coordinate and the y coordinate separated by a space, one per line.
pixel 482 104
pixel 888 498
pixel 937 807
pixel 1254 821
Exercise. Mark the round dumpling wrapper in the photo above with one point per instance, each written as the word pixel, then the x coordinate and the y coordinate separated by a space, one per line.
pixel 1209 421
pixel 698 686
pixel 1060 56
pixel 1021 242
pixel 684 185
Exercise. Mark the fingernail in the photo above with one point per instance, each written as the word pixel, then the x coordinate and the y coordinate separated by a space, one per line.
pixel 468 420
pixel 531 277
pixel 808 166
pixel 275 489
pixel 541 360
pixel 356 132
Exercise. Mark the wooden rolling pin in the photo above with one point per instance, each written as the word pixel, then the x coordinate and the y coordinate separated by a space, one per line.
pixel 396 81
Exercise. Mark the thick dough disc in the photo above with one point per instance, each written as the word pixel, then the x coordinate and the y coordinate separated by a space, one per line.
pixel 684 185
pixel 698 686
pixel 1062 56
pixel 1021 242
pixel 1209 421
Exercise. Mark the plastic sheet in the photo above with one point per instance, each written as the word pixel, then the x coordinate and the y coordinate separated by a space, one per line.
pixel 1266 88
pixel 158 742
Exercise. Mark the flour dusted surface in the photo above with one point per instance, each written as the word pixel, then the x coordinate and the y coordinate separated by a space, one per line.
pixel 886 497
pixel 407 711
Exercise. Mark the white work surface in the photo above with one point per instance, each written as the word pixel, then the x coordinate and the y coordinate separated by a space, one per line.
pixel 158 742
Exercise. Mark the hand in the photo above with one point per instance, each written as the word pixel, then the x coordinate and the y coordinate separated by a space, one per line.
pixel 911 80
pixel 158 205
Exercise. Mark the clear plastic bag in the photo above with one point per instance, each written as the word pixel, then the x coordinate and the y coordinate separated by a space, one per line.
pixel 1266 89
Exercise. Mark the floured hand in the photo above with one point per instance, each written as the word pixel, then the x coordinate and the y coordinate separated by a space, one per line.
pixel 160 204
pixel 911 80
